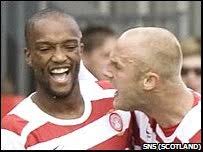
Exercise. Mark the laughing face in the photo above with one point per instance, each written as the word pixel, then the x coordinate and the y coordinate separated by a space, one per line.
pixel 54 55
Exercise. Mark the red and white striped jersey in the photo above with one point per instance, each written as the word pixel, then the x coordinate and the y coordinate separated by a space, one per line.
pixel 100 127
pixel 187 131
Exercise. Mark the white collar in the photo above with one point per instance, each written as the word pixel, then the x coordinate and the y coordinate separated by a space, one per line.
pixel 85 74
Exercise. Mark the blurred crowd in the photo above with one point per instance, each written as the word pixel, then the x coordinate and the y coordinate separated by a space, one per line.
pixel 191 70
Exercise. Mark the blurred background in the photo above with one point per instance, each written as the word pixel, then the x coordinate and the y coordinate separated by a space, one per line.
pixel 183 18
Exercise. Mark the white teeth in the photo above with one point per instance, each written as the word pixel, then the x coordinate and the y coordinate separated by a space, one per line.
pixel 59 71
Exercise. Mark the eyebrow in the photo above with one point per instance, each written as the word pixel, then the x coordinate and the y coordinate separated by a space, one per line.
pixel 50 43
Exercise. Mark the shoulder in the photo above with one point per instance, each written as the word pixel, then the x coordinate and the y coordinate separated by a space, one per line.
pixel 12 127
pixel 19 116
pixel 13 123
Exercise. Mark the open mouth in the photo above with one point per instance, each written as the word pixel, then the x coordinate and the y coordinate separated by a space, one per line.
pixel 116 94
pixel 60 74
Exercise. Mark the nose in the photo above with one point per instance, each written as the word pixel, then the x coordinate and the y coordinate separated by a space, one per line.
pixel 192 80
pixel 59 55
pixel 192 75
pixel 107 72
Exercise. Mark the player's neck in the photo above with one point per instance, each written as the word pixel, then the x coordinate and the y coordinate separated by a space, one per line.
pixel 171 107
pixel 69 107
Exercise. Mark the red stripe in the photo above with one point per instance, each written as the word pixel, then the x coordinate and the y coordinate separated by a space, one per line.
pixel 196 138
pixel 196 98
pixel 115 143
pixel 49 131
pixel 170 130
pixel 136 131
pixel 159 138
pixel 176 140
pixel 13 123
pixel 8 102
pixel 105 84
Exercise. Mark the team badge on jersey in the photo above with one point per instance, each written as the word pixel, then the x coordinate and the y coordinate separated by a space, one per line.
pixel 116 121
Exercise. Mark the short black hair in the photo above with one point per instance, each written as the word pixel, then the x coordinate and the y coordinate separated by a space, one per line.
pixel 41 15
pixel 94 36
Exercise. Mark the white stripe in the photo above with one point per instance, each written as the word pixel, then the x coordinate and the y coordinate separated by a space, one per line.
pixel 92 91
pixel 87 136
pixel 191 124
pixel 11 141
pixel 84 74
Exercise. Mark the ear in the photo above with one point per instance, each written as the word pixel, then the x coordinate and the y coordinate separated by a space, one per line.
pixel 28 56
pixel 150 81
